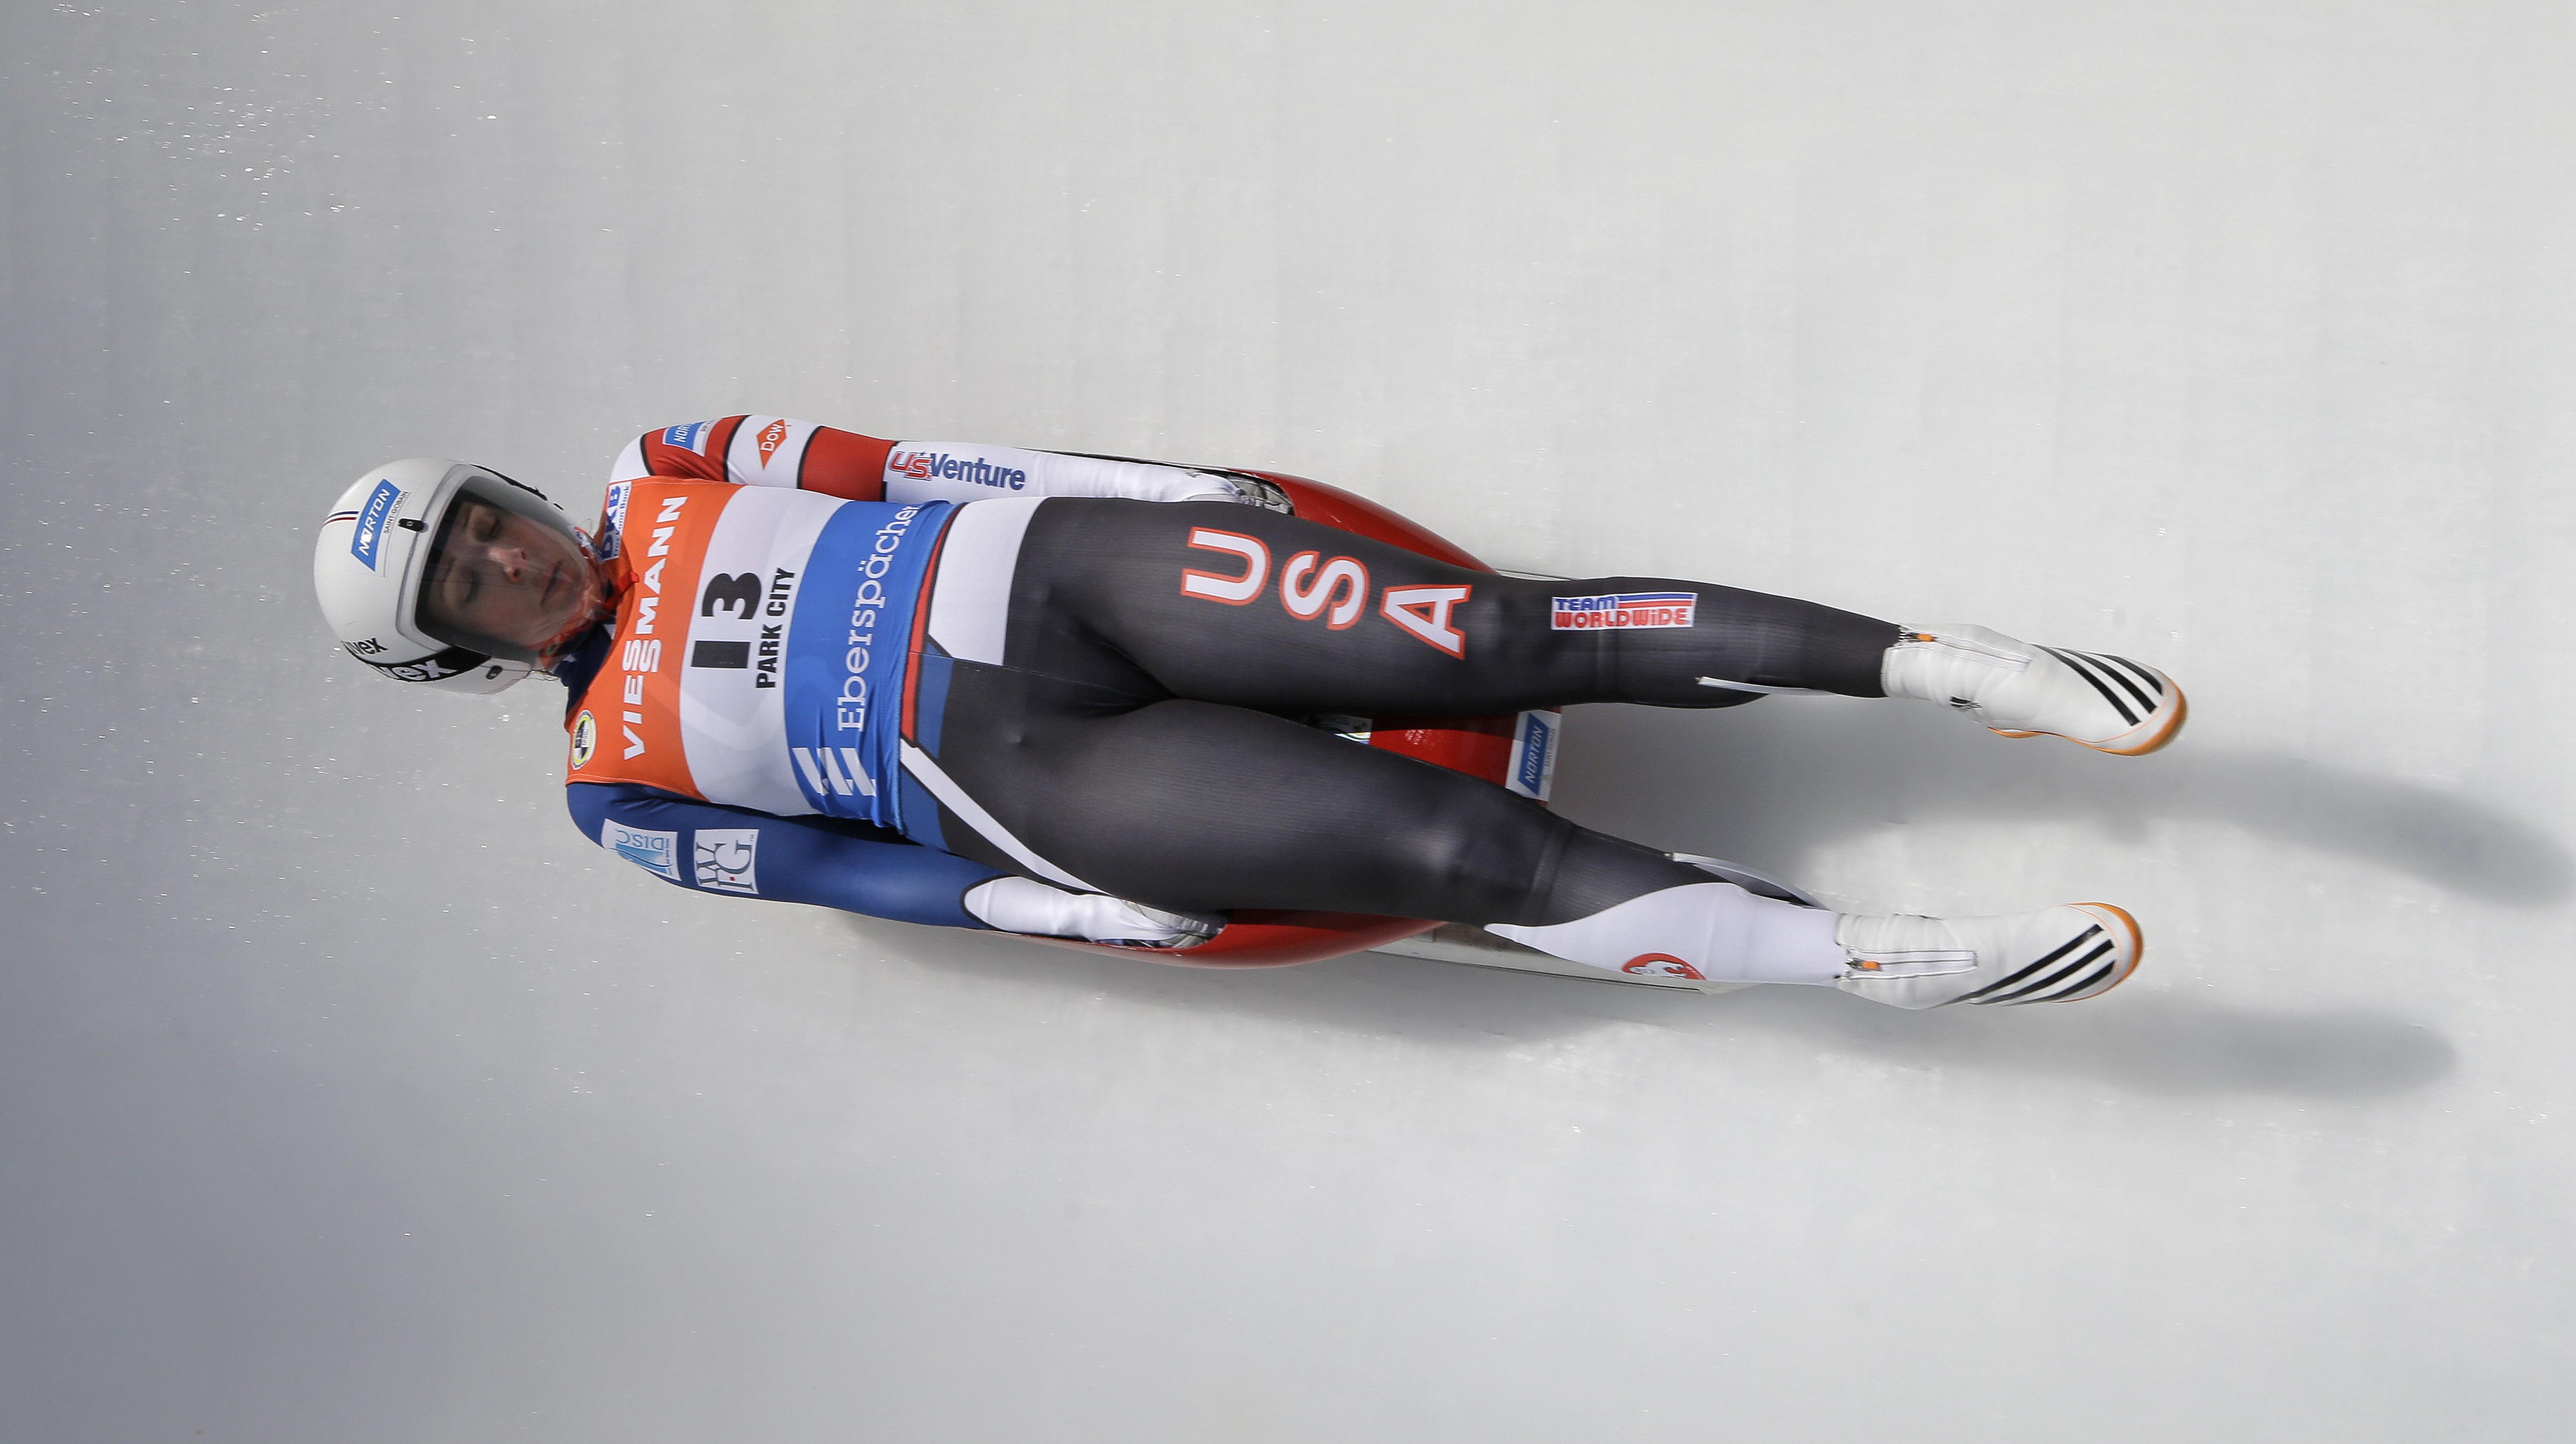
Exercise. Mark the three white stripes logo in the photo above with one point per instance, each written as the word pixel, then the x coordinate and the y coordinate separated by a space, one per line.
pixel 829 777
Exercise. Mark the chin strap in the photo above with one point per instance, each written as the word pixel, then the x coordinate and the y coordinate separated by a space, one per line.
pixel 601 607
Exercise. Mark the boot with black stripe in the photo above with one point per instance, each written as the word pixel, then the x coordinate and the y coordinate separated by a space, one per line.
pixel 2107 703
pixel 2055 955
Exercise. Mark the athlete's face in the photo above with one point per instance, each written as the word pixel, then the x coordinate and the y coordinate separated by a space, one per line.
pixel 498 574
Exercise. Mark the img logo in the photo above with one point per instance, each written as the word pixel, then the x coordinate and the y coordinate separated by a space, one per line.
pixel 372 517
pixel 585 739
pixel 726 857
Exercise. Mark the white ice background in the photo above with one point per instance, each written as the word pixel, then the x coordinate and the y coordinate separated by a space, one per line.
pixel 348 1094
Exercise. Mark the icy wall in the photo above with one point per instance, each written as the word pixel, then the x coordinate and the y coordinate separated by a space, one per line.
pixel 346 1093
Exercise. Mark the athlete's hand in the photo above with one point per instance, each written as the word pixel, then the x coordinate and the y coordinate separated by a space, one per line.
pixel 1025 905
pixel 1171 930
pixel 1241 489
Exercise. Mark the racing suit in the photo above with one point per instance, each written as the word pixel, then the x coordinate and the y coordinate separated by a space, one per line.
pixel 987 687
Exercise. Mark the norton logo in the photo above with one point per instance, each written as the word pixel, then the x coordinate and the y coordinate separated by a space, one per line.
pixel 1660 965
pixel 772 437
pixel 585 740
pixel 371 522
pixel 1533 773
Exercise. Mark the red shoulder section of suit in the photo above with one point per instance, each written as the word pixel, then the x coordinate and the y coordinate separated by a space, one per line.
pixel 831 461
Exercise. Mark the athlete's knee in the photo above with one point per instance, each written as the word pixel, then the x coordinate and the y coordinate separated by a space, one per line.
pixel 1484 858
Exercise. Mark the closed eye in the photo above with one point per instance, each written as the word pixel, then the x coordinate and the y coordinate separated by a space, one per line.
pixel 458 585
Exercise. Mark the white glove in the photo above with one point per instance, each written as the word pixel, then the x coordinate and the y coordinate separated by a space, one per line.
pixel 1025 905
pixel 1244 490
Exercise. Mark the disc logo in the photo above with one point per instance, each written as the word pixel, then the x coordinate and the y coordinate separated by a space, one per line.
pixel 655 852
pixel 585 740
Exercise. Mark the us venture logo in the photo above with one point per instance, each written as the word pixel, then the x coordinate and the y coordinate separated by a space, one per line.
pixel 924 465
pixel 371 522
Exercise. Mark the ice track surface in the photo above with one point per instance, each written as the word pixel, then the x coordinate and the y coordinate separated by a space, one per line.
pixel 346 1093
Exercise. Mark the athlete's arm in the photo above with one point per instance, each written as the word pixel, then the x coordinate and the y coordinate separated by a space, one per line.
pixel 761 451
pixel 778 451
pixel 967 471
pixel 834 863
pixel 1025 905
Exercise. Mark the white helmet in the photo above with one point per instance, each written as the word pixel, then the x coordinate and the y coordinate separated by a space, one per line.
pixel 374 548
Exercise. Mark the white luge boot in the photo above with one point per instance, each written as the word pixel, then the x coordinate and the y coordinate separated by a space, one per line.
pixel 2107 703
pixel 2055 955
pixel 1707 932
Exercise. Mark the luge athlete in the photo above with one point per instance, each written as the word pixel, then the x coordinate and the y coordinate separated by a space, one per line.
pixel 1048 694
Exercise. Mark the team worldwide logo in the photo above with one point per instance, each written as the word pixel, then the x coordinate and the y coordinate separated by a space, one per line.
pixel 1622 610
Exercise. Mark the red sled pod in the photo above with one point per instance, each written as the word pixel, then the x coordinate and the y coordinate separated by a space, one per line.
pixel 1513 751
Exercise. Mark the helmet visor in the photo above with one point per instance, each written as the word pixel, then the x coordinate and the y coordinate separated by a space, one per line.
pixel 506 575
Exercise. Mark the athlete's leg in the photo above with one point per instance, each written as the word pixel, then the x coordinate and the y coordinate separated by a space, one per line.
pixel 1071 760
pixel 1201 807
pixel 1260 610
